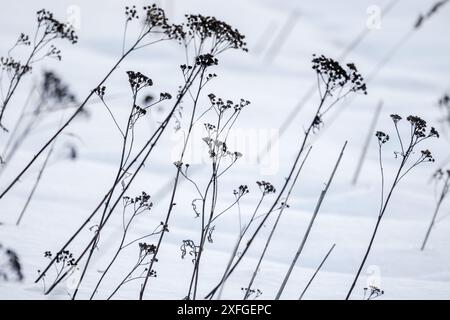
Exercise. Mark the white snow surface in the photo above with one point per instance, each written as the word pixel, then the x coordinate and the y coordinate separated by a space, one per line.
pixel 410 83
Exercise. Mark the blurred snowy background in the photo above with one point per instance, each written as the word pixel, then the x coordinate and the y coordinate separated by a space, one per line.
pixel 274 75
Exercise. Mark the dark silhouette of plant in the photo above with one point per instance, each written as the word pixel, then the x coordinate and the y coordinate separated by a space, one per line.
pixel 311 222
pixel 408 145
pixel 334 84
pixel 137 205
pixel 442 180
pixel 216 40
pixel 372 292
pixel 41 47
pixel 316 272
pixel 154 23
pixel 222 159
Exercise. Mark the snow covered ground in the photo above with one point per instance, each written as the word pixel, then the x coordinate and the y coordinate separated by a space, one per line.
pixel 410 83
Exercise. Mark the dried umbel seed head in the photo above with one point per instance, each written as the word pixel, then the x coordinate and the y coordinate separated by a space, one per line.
pixel 23 40
pixel 242 190
pixel 146 248
pixel 382 137
pixel 396 118
pixel 335 76
pixel 100 91
pixel 206 60
pixel 426 156
pixel 165 96
pixel 209 27
pixel 155 17
pixel 131 13
pixel 55 29
pixel 138 81
pixel 266 187
pixel 65 257
pixel 12 66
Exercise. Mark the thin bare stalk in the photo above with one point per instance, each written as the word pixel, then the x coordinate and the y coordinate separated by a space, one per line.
pixel 316 272
pixel 308 230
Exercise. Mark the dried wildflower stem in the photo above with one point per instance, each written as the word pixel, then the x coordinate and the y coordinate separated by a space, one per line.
pixel 417 135
pixel 311 222
pixel 74 115
pixel 242 232
pixel 367 142
pixel 126 226
pixel 275 225
pixel 175 185
pixel 317 271
pixel 150 144
pixel 332 79
pixel 48 30
pixel 272 208
pixel 443 194
pixel 292 115
pixel 216 148
pixel 35 185
pixel 115 183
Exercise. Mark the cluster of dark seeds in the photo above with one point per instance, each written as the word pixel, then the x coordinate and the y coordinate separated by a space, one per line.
pixel 155 17
pixel 142 201
pixel 335 76
pixel 165 96
pixel 206 60
pixel 419 127
pixel 243 189
pixel 146 248
pixel 65 257
pixel 266 187
pixel 23 40
pixel 222 105
pixel 251 292
pixel 207 27
pixel 372 292
pixel 100 91
pixel 426 156
pixel 131 13
pixel 54 28
pixel 138 81
pixel 382 137
pixel 10 65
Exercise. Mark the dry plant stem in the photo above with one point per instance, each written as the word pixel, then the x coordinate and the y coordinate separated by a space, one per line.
pixel 384 202
pixel 36 183
pixel 108 200
pixel 122 246
pixel 316 272
pixel 15 82
pixel 150 144
pixel 238 243
pixel 72 117
pixel 292 115
pixel 277 200
pixel 272 232
pixel 175 186
pixel 205 227
pixel 436 211
pixel 308 230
